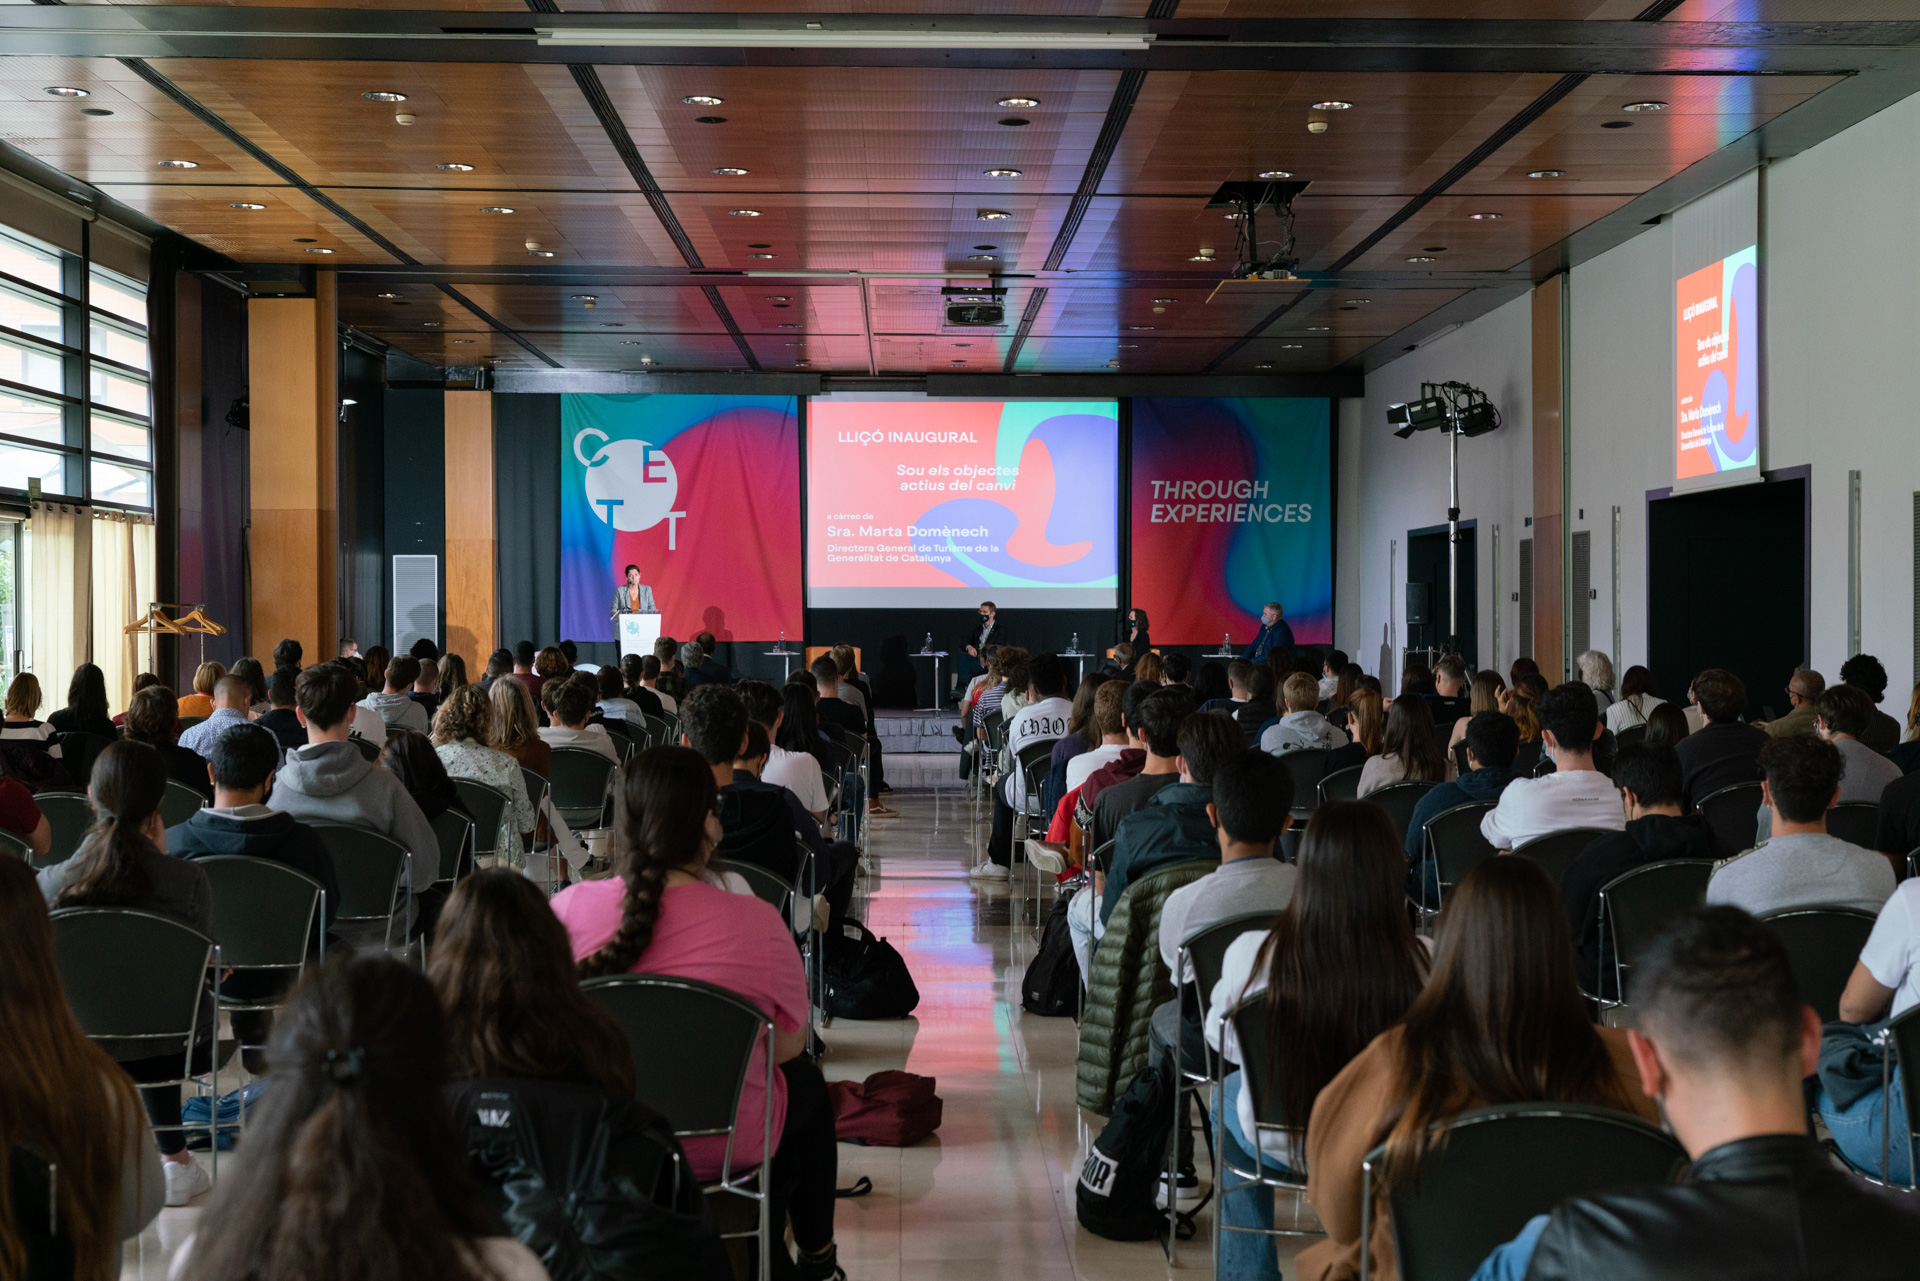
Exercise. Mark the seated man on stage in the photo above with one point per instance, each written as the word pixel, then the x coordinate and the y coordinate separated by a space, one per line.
pixel 1274 634
pixel 632 596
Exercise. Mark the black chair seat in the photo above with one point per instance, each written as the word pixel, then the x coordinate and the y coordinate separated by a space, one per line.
pixel 1454 843
pixel 1399 800
pixel 1636 904
pixel 1556 851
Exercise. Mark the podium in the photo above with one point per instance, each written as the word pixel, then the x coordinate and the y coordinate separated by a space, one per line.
pixel 638 632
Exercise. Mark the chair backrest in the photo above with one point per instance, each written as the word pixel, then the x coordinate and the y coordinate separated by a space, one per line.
pixel 14 846
pixel 536 785
pixel 1543 767
pixel 1259 1072
pixel 79 749
pixel 1099 858
pixel 130 974
pixel 1824 943
pixel 1039 751
pixel 697 1086
pixel 1632 734
pixel 453 830
pixel 263 912
pixel 1453 839
pixel 1732 816
pixel 69 815
pixel 1399 800
pixel 486 804
pixel 1307 766
pixel 368 749
pixel 622 739
pixel 185 723
pixel 1500 1166
pixel 995 725
pixel 1556 851
pixel 1636 904
pixel 1855 821
pixel 1341 785
pixel 371 869
pixel 180 803
pixel 768 886
pixel 1207 949
pixel 1903 1034
pixel 580 781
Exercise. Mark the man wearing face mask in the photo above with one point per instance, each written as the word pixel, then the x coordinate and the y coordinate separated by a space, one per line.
pixel 989 631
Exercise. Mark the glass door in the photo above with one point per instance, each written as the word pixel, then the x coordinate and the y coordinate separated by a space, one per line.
pixel 12 566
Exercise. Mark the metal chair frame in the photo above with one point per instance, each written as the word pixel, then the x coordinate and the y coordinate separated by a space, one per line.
pixel 174 800
pixel 52 804
pixel 1096 860
pixel 1554 842
pixel 1607 892
pixel 1259 1176
pixel 1350 787
pixel 1430 850
pixel 579 817
pixel 476 799
pixel 1751 806
pixel 1863 921
pixel 402 884
pixel 1034 761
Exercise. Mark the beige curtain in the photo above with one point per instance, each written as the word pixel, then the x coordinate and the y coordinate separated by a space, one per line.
pixel 59 595
pixel 123 585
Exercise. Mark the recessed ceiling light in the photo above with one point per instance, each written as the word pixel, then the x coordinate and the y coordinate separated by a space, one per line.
pixel 788 326
pixel 454 166
pixel 433 324
pixel 731 171
pixel 1486 216
pixel 1292 346
pixel 245 204
pixel 1276 173
pixel 586 297
pixel 1263 366
pixel 1423 258
pixel 709 120
pixel 496 209
pixel 1019 102
pixel 613 324
pixel 1139 326
pixel 1001 173
pixel 66 91
pixel 1616 124
pixel 1129 346
pixel 632 342
pixel 1015 122
pixel 312 249
pixel 1332 104
pixel 1319 329
pixel 992 215
pixel 1200 258
pixel 179 164
pixel 383 95
pixel 779 297
pixel 702 100
pixel 463 340
pixel 1547 173
pixel 387 295
pixel 1166 300
pixel 803 364
pixel 539 253
pixel 743 213
pixel 1650 105
pixel 980 258
pixel 95 111
pixel 759 255
pixel 1358 302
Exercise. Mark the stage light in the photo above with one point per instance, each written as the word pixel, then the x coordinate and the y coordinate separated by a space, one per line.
pixel 1478 418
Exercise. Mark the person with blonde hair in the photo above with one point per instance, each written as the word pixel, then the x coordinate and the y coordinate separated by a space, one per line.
pixel 200 702
pixel 22 724
pixel 516 729
pixel 463 740
pixel 1149 667
pixel 1301 727
pixel 1366 718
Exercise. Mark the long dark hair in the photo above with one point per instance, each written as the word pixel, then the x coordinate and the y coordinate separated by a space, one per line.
pixel 1080 719
pixel 250 671
pixel 1410 736
pixel 129 781
pixel 1635 687
pixel 1502 1019
pixel 354 1169
pixel 504 971
pixel 668 793
pixel 800 725
pixel 1350 677
pixel 1666 726
pixel 1342 963
pixel 1209 683
pixel 87 695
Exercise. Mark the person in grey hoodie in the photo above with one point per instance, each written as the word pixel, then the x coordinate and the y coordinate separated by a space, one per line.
pixel 329 781
pixel 1303 727
pixel 396 706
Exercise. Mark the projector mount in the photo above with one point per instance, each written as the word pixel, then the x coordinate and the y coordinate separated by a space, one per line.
pixel 1244 201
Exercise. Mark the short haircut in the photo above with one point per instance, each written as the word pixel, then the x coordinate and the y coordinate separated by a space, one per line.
pixel 523 654
pixel 764 702
pixel 1160 715
pixel 1239 671
pixel 424 649
pixel 402 672
pixel 1863 671
pixel 243 757
pixel 714 717
pixel 1716 988
pixel 1802 772
pixel 1047 674
pixel 825 670
pixel 1252 795
pixel 1206 739
pixel 280 688
pixel 1176 667
pixel 610 683
pixel 631 569
pixel 1494 739
pixel 1807 683
pixel 1260 684
pixel 287 653
pixel 569 651
pixel 1136 694
pixel 153 716
pixel 1846 709
pixel 665 648
pixel 632 668
pixel 1570 713
pixel 1652 774
pixel 567 700
pixel 705 641
pixel 1451 666
pixel 758 742
pixel 1722 695
pixel 500 662
pixel 650 668
pixel 987 604
pixel 325 695
pixel 1336 659
pixel 1302 692
pixel 234 689
pixel 1106 708
pixel 429 671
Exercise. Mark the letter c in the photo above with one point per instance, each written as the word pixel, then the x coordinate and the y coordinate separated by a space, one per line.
pixel 598 456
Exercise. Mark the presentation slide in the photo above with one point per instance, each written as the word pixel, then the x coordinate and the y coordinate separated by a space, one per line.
pixel 701 493
pixel 1717 367
pixel 915 503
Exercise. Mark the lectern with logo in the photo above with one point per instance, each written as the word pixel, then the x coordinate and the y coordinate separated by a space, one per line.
pixel 638 632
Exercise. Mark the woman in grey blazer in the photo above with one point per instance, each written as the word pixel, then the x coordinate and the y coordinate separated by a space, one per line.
pixel 632 596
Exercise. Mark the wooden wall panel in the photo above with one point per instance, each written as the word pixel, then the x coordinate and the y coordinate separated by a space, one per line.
pixel 1549 557
pixel 471 537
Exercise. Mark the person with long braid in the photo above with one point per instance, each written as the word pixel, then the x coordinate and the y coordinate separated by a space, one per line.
pixel 660 915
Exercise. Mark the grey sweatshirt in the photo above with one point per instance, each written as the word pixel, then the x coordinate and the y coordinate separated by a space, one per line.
pixel 333 783
pixel 398 711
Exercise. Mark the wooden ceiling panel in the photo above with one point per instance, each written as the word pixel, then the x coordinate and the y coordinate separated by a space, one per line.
pixel 845 353
pixel 452 227
pixel 774 309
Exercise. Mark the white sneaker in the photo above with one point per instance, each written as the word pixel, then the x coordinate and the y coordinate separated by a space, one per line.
pixel 185 1180
pixel 988 871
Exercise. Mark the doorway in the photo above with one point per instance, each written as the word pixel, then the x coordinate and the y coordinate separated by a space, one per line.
pixel 1427 592
pixel 1727 587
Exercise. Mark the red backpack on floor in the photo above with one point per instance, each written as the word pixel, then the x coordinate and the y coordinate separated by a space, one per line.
pixel 888 1109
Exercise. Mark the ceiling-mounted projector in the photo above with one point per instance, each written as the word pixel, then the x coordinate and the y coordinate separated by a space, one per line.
pixel 976 314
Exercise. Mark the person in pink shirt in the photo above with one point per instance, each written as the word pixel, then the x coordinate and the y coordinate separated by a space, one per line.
pixel 659 915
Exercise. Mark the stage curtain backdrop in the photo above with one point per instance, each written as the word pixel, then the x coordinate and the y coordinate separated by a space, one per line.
pixel 1231 507
pixel 59 595
pixel 526 481
pixel 701 492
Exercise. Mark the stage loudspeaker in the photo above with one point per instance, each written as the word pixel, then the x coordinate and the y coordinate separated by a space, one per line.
pixel 1419 604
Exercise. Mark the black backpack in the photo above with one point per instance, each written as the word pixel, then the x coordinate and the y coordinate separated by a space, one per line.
pixel 1052 983
pixel 866 978
pixel 1114 1198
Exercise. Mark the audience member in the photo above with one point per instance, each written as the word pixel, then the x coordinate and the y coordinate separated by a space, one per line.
pixel 123 862
pixel 1409 748
pixel 614 703
pixel 1800 865
pixel 463 739
pixel 797 771
pixel 1128 764
pixel 205 677
pixel 1575 794
pixel 672 680
pixel 1239 673
pixel 1841 715
pixel 1339 967
pixel 1907 754
pixel 1500 1021
pixel 1666 726
pixel 1210 683
pixel 1154 718
pixel 280 719
pixel 231 697
pixel 21 725
pixel 453 673
pixel 702 668
pixel 1637 700
pixel 516 729
pixel 833 710
pixel 658 916
pixel 1449 701
pixel 68 1104
pixel 395 704
pixel 1080 735
pixel 1900 817
pixel 633 677
pixel 152 719
pixel 1042 719
pixel 1722 751
pixel 1147 667
pixel 250 671
pixel 86 708
pixel 1804 688
pixel 410 757
pixel 799 729
pixel 524 655
pixel 426 687
pixel 376 659
pixel 1656 830
pixel 288 653
pixel 140 682
pixel 1366 721
pixel 425 650
pixel 1491 740
pixel 569 703
pixel 499 663
pixel 834 859
pixel 1106 726
pixel 1596 673
pixel 1864 673
pixel 1301 727
pixel 1722 1040
pixel 1331 666
pixel 1260 705
pixel 1176 669
pixel 1483 695
pixel 20 815
pixel 1520 702
pixel 650 681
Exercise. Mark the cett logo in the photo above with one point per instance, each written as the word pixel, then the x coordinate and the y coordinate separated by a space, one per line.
pixel 631 484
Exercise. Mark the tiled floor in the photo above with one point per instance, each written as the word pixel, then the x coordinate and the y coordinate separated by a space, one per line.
pixel 991 1195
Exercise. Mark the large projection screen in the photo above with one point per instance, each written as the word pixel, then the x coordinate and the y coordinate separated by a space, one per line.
pixel 1717 418
pixel 915 503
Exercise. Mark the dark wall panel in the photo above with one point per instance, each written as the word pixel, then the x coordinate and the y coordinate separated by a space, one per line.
pixel 526 458
pixel 363 515
pixel 226 498
pixel 415 499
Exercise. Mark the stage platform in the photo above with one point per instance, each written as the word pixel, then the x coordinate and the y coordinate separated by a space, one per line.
pixel 903 733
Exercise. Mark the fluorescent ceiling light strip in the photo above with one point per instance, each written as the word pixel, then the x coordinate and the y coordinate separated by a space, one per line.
pixel 869 39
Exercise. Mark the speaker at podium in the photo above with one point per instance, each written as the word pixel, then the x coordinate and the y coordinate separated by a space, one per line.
pixel 638 632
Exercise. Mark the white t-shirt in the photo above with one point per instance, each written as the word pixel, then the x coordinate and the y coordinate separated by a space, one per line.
pixel 1080 768
pixel 1533 807
pixel 1622 715
pixel 1892 953
pixel 1034 722
pixel 592 739
pixel 668 703
pixel 799 773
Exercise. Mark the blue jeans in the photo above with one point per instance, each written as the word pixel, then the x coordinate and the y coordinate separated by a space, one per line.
pixel 1857 1132
pixel 1245 1256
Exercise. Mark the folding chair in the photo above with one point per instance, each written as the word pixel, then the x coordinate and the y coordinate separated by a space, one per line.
pixel 1307 767
pixel 1635 905
pixel 1399 800
pixel 1453 843
pixel 1096 861
pixel 376 878
pixel 486 807
pixel 1556 851
pixel 139 976
pixel 1033 761
pixel 180 803
pixel 660 732
pixel 1857 822
pixel 622 739
pixel 69 815
pixel 1341 785
pixel 1500 1166
pixel 1632 734
pixel 1258 1076
pixel 11 844
pixel 1900 1047
pixel 1823 943
pixel 371 751
pixel 78 751
pixel 698 1085
pixel 1732 817
pixel 453 830
pixel 767 886
pixel 582 784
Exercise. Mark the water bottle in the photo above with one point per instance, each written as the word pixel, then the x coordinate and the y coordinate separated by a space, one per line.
pixel 1226 641
pixel 928 647
pixel 1074 644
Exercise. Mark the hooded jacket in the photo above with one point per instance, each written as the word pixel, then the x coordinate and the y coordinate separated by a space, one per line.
pixel 1651 838
pixel 277 837
pixel 399 711
pixel 1172 827
pixel 1299 732
pixel 333 783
